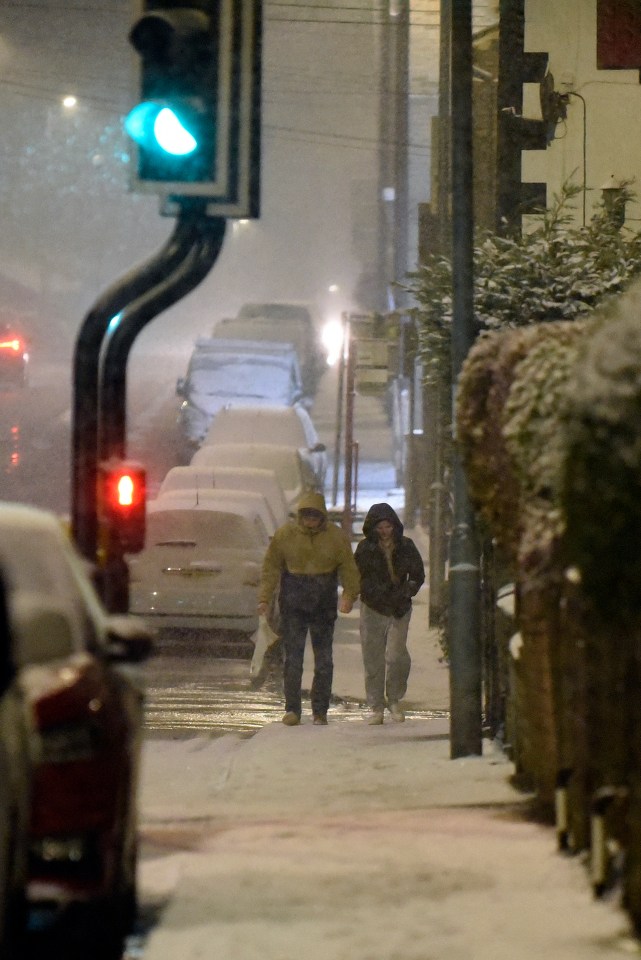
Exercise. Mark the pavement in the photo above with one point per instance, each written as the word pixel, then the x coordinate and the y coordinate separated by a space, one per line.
pixel 353 842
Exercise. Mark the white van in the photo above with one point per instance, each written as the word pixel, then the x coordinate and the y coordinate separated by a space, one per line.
pixel 223 373
pixel 201 565
pixel 283 426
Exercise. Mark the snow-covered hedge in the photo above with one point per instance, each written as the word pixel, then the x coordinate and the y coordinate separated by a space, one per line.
pixel 549 422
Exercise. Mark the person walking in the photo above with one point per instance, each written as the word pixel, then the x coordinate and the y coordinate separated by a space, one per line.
pixel 305 561
pixel 392 571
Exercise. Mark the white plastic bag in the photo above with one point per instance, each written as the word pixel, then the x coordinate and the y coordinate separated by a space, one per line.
pixel 263 640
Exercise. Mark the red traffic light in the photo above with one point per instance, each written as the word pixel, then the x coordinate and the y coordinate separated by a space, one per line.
pixel 126 490
pixel 123 497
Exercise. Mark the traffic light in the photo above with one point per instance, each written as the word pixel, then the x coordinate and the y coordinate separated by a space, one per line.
pixel 196 122
pixel 174 124
pixel 123 488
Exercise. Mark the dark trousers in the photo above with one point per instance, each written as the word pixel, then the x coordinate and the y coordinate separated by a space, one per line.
pixel 294 627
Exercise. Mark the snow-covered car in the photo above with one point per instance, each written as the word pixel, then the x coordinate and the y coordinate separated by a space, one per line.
pixel 225 373
pixel 289 322
pixel 253 500
pixel 83 701
pixel 293 472
pixel 285 426
pixel 201 564
pixel 229 478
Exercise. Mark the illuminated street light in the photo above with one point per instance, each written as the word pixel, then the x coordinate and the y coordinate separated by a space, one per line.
pixel 333 339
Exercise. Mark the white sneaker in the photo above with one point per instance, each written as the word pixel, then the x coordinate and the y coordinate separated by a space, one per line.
pixel 375 718
pixel 397 714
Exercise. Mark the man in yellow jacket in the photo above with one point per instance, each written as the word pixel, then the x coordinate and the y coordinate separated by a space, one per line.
pixel 305 561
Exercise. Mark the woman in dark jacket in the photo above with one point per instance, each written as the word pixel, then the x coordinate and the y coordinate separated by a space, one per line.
pixel 392 571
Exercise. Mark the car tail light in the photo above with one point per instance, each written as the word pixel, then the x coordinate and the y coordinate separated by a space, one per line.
pixel 14 345
pixel 82 752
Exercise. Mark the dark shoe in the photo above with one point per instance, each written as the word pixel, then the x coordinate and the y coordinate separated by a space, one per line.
pixel 320 719
pixel 375 718
pixel 291 719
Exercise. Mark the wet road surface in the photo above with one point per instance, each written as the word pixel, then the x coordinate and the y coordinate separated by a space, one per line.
pixel 196 687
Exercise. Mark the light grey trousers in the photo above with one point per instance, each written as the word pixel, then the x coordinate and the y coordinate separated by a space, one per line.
pixel 386 659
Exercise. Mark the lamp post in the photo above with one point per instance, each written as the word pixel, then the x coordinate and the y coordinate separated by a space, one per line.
pixel 464 572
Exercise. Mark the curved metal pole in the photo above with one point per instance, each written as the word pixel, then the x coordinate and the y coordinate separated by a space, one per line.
pixel 84 446
pixel 185 277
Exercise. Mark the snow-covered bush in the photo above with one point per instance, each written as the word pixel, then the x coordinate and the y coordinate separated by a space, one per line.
pixel 555 271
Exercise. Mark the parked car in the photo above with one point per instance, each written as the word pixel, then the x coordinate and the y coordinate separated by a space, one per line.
pixel 285 426
pixel 233 373
pixel 292 322
pixel 14 356
pixel 84 708
pixel 229 478
pixel 294 473
pixel 201 564
pixel 16 772
pixel 253 499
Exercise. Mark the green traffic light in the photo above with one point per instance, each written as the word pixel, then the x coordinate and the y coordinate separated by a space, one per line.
pixel 155 126
pixel 172 135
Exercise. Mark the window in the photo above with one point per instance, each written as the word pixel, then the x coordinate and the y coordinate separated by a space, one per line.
pixel 618 35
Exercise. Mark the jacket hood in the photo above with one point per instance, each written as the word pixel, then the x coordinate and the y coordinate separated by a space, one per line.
pixel 378 512
pixel 312 501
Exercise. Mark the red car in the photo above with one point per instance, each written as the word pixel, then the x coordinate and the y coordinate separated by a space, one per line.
pixel 75 666
pixel 14 356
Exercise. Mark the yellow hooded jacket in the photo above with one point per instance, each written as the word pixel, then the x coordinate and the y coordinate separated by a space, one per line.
pixel 297 550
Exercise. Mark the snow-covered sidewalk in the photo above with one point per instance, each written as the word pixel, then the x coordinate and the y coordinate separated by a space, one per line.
pixel 351 842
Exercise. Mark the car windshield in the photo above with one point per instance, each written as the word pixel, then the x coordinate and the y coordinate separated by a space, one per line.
pixel 202 529
pixel 241 378
pixel 253 426
pixel 35 564
pixel 284 463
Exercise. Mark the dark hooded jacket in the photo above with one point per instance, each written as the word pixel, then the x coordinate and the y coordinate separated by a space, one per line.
pixel 378 589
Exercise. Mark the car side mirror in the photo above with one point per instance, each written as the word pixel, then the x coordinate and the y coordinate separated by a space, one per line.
pixel 129 639
pixel 180 387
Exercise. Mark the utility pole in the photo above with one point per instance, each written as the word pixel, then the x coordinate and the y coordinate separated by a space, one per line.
pixel 464 575
pixel 393 135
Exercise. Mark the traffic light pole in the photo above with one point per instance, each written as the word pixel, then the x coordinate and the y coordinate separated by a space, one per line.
pixel 113 393
pixel 186 275
pixel 86 379
pixel 100 389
